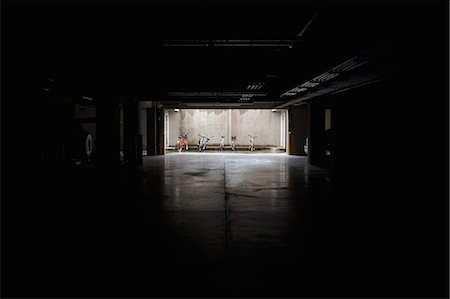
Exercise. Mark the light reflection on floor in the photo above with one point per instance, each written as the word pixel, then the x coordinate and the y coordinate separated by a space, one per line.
pixel 234 212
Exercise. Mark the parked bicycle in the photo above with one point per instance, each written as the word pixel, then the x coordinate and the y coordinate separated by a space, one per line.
pixel 252 143
pixel 222 141
pixel 203 142
pixel 233 143
pixel 182 142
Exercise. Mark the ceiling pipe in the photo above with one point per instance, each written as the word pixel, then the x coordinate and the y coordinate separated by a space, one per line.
pixel 229 43
pixel 216 94
pixel 307 25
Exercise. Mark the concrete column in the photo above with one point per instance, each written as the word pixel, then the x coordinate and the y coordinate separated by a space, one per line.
pixel 229 126
pixel 140 147
pixel 152 131
pixel 108 132
pixel 160 130
pixel 316 147
pixel 335 146
pixel 299 129
pixel 131 127
pixel 143 124
pixel 57 131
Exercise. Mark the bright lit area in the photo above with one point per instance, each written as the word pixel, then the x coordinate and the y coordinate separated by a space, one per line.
pixel 225 130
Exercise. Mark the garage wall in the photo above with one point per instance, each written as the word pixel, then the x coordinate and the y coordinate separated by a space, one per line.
pixel 263 123
pixel 299 128
pixel 143 126
pixel 86 116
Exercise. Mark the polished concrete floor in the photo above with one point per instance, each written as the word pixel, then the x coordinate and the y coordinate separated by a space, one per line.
pixel 222 225
pixel 238 224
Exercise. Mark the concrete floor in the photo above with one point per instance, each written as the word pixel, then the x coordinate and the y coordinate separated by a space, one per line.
pixel 236 203
pixel 220 225
pixel 269 225
pixel 238 223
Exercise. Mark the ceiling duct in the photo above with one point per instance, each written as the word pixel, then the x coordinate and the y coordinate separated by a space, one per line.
pixel 229 43
pixel 206 94
pixel 347 66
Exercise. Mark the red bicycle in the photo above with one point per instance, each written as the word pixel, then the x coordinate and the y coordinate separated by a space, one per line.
pixel 182 142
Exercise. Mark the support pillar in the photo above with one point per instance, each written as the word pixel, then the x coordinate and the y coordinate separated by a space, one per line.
pixel 160 130
pixel 108 133
pixel 316 146
pixel 152 130
pixel 298 130
pixel 131 127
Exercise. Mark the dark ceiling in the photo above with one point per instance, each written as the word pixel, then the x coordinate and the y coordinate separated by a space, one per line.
pixel 210 52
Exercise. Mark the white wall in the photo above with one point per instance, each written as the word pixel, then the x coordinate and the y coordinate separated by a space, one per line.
pixel 240 122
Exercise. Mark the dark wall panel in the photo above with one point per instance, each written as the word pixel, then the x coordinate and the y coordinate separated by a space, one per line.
pixel 388 164
pixel 298 128
pixel 151 131
pixel 316 150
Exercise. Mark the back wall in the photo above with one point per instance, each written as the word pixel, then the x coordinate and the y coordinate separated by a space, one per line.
pixel 263 123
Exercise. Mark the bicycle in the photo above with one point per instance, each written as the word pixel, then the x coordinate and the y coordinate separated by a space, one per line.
pixel 203 142
pixel 182 142
pixel 222 141
pixel 252 143
pixel 233 143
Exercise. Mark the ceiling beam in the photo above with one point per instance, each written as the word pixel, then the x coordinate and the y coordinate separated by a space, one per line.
pixel 215 94
pixel 230 43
